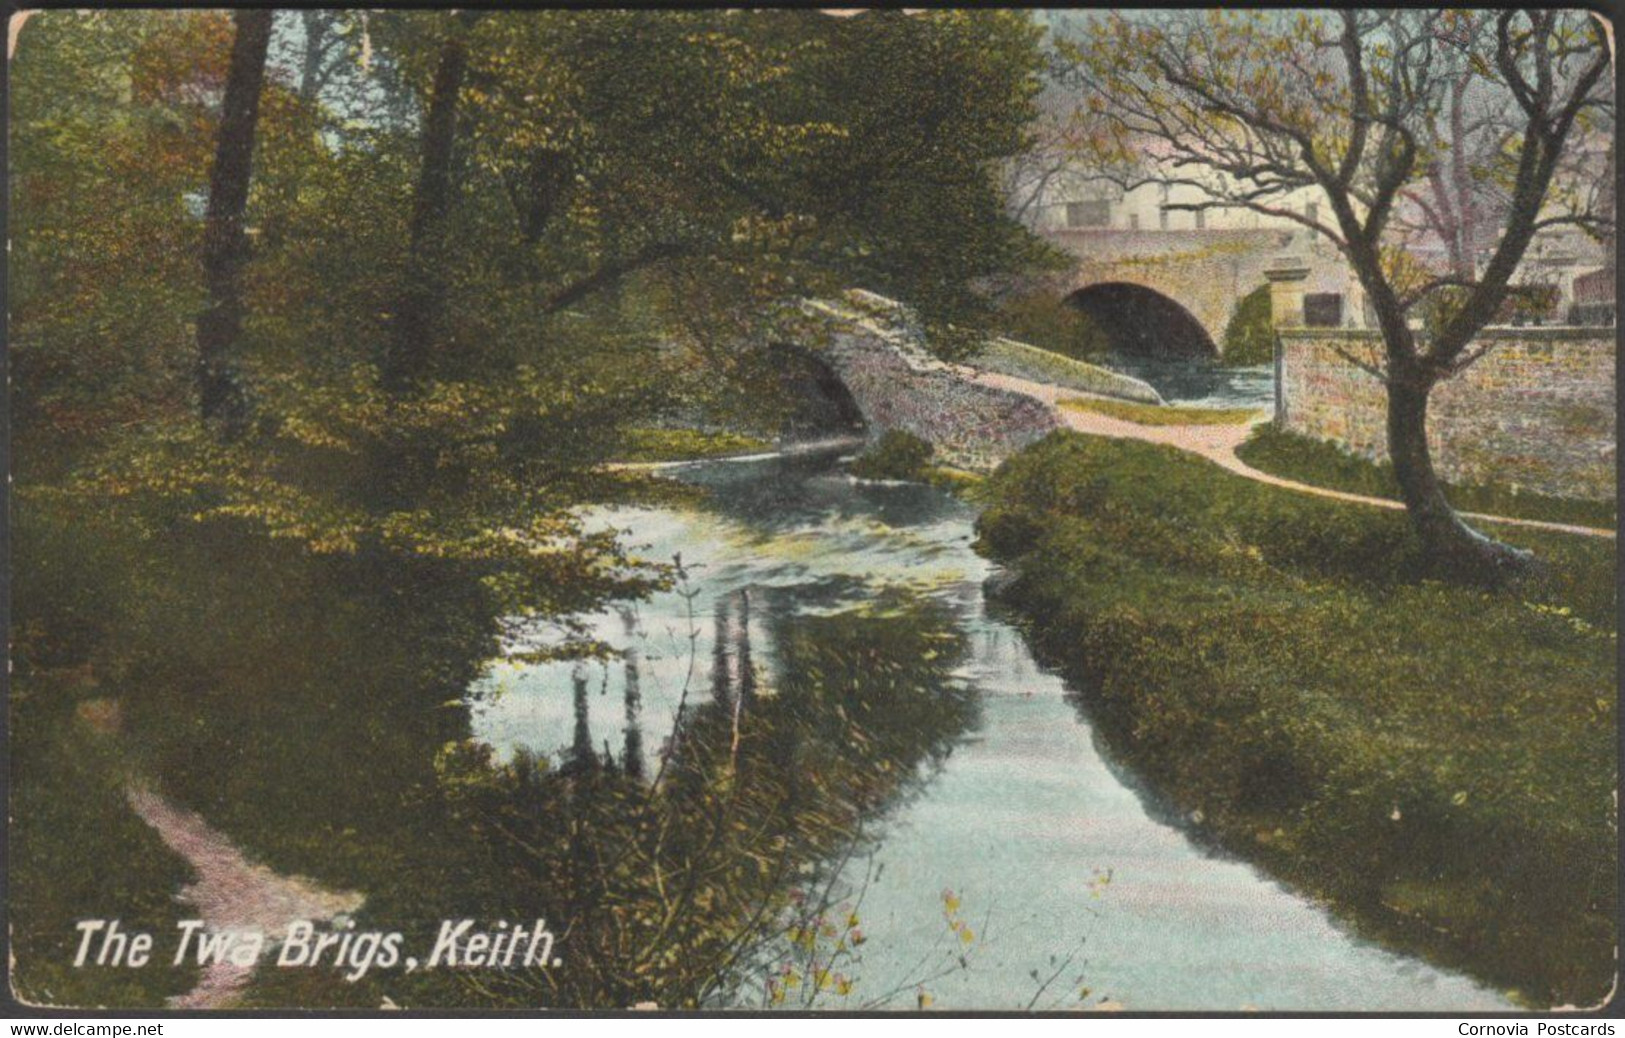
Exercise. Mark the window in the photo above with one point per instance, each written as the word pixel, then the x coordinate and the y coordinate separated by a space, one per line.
pixel 1323 309
pixel 1089 214
pixel 1133 221
pixel 1201 219
pixel 1162 218
pixel 1311 211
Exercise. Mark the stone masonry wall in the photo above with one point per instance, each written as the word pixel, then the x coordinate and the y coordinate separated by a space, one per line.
pixel 1537 412
pixel 898 385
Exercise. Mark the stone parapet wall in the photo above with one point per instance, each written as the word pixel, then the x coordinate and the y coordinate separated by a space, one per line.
pixel 897 384
pixel 1536 412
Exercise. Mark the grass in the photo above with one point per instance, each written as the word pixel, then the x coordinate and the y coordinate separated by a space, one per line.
pixel 1165 414
pixel 1434 761
pixel 954 480
pixel 1324 464
pixel 1008 357
pixel 655 445
pixel 900 455
pixel 78 852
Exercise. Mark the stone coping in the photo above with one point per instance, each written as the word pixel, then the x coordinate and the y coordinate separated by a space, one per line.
pixel 1599 334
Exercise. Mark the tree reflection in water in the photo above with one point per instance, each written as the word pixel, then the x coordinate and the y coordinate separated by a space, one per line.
pixel 668 875
pixel 679 892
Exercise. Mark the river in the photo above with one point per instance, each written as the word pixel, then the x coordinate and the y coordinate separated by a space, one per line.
pixel 1025 850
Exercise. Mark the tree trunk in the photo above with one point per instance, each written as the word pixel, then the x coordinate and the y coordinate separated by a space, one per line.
pixel 406 360
pixel 316 26
pixel 224 405
pixel 1449 543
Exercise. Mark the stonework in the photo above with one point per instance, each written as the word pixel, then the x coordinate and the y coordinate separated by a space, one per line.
pixel 877 351
pixel 1537 412
pixel 1205 272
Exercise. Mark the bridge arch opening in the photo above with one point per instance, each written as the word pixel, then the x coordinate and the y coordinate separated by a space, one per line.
pixel 816 403
pixel 1142 322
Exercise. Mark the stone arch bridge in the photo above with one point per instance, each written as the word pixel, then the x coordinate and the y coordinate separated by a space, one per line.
pixel 1168 293
pixel 872 353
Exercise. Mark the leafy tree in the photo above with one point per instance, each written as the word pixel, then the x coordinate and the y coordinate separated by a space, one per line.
pixel 413 325
pixel 1252 107
pixel 108 136
pixel 607 207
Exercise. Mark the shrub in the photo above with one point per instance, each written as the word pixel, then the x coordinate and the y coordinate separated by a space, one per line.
pixel 1162 414
pixel 1249 337
pixel 896 455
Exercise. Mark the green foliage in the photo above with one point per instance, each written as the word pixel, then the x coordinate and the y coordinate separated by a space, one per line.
pixel 631 192
pixel 1436 761
pixel 680 891
pixel 1249 335
pixel 77 852
pixel 653 445
pixel 1524 304
pixel 931 102
pixel 1322 463
pixel 1529 304
pixel 1048 321
pixel 896 455
pixel 106 137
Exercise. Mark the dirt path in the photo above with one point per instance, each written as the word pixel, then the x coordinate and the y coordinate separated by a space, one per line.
pixel 232 893
pixel 1218 443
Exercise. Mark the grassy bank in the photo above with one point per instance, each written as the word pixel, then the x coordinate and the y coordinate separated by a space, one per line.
pixel 899 455
pixel 1324 464
pixel 645 445
pixel 78 852
pixel 1436 762
pixel 1008 357
pixel 1151 414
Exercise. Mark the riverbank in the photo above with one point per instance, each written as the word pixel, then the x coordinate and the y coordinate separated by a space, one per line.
pixel 647 446
pixel 1324 464
pixel 1437 763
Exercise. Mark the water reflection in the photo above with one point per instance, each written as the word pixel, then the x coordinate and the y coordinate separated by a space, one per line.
pixel 676 878
pixel 849 741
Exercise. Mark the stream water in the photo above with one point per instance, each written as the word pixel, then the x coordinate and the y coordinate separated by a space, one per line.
pixel 1202 383
pixel 1041 846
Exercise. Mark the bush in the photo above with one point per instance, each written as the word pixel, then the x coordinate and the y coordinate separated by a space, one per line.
pixel 1249 337
pixel 896 455
pixel 1048 321
pixel 1286 666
